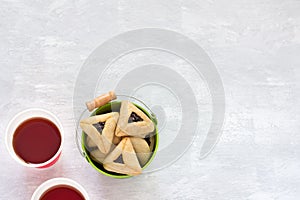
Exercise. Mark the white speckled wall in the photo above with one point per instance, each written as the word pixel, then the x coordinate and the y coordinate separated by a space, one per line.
pixel 255 45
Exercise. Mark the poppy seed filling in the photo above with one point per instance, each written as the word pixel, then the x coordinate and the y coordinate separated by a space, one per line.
pixel 99 126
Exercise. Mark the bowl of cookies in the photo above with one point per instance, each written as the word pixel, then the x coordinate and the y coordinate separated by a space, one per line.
pixel 117 135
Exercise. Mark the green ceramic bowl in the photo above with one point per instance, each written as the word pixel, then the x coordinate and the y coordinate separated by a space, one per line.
pixel 115 107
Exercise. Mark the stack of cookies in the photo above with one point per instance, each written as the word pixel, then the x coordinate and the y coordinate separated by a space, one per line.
pixel 121 141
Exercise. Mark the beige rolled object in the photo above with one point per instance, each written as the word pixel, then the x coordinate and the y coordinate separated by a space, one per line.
pixel 100 100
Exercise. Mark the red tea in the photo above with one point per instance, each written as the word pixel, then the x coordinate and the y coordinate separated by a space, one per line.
pixel 62 192
pixel 36 140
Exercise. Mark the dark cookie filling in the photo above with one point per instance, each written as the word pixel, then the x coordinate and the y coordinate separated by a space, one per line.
pixel 134 118
pixel 119 159
pixel 99 126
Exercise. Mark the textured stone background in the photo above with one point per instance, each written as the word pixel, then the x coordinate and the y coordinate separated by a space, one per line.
pixel 255 46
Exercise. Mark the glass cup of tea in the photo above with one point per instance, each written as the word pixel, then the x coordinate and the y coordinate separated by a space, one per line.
pixel 34 138
pixel 60 188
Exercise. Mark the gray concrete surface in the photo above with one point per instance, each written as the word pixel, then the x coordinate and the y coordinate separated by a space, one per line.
pixel 255 46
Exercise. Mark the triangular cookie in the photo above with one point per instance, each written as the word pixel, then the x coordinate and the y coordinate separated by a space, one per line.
pixel 141 149
pixel 89 143
pixel 116 140
pixel 123 159
pixel 100 129
pixel 97 156
pixel 133 121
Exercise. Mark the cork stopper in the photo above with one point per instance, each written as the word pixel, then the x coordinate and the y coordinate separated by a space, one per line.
pixel 100 100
